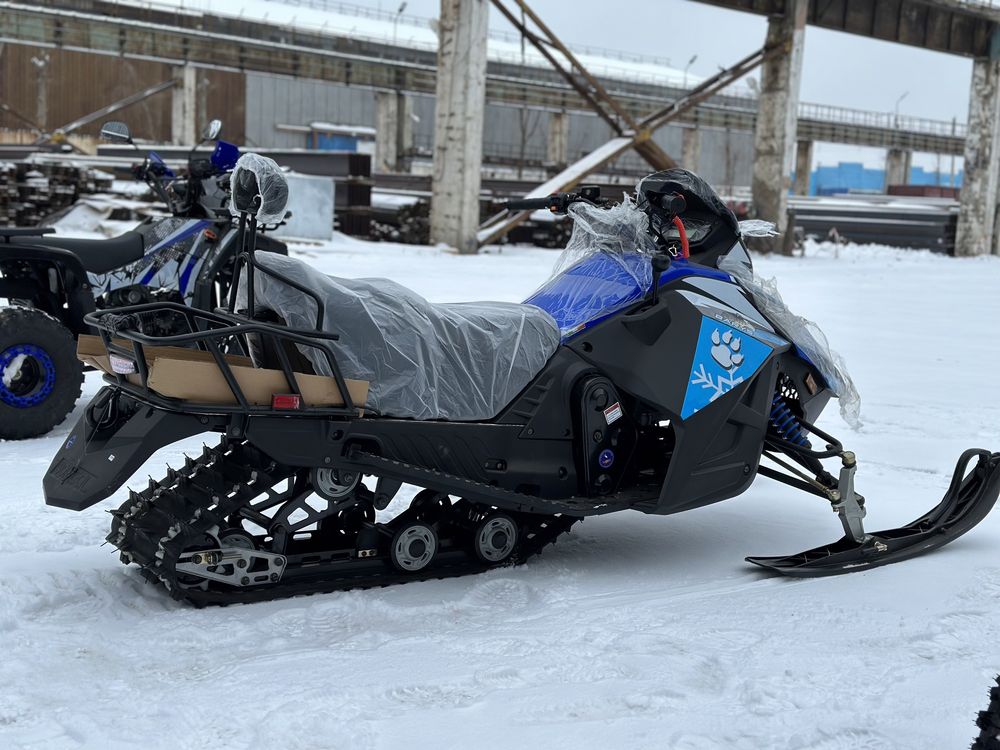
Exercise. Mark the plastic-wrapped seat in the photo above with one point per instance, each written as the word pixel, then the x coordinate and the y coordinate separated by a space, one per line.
pixel 462 361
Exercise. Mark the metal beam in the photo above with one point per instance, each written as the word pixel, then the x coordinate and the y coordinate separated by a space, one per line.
pixel 577 75
pixel 499 224
pixel 97 114
pixel 952 26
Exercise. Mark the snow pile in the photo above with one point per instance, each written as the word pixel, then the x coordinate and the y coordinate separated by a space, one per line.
pixel 637 631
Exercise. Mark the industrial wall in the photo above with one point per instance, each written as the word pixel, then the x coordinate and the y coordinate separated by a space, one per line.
pixel 53 87
pixel 273 101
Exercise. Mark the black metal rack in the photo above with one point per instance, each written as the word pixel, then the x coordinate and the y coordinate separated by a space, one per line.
pixel 216 333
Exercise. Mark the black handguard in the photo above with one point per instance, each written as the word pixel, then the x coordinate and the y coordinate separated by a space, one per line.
pixel 557 202
pixel 551 202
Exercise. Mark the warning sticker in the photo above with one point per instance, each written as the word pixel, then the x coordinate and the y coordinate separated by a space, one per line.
pixel 613 413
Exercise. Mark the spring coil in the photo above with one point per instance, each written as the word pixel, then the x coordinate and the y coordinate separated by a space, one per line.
pixel 785 424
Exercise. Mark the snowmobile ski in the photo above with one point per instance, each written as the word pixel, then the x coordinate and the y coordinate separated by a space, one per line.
pixel 968 500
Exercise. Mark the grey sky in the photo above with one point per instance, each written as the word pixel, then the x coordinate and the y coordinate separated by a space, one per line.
pixel 838 69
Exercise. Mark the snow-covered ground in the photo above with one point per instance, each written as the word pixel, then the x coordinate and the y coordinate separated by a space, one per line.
pixel 636 631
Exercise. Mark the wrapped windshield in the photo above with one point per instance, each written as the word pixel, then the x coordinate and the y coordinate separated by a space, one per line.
pixel 804 333
pixel 605 266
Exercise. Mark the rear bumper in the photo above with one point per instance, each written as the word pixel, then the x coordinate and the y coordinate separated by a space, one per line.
pixel 112 439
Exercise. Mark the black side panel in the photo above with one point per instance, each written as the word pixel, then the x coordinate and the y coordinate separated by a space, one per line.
pixel 96 460
pixel 718 448
pixel 648 354
pixel 543 408
pixel 607 435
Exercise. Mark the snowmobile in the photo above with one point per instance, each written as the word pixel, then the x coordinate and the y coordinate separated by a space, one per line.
pixel 652 372
pixel 53 282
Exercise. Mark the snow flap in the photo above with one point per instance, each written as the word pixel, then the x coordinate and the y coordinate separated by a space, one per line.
pixel 462 361
pixel 804 333
pixel 271 186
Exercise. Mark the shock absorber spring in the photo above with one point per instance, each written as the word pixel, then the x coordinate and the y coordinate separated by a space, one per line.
pixel 785 424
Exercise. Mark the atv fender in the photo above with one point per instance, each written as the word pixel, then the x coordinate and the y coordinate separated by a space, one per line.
pixel 72 286
pixel 115 436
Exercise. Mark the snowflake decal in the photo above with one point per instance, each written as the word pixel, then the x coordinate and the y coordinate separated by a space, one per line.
pixel 724 357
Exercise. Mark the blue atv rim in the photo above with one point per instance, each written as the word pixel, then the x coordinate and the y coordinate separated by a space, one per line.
pixel 27 376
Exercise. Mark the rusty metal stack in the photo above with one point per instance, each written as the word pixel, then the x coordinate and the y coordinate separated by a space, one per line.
pixel 30 192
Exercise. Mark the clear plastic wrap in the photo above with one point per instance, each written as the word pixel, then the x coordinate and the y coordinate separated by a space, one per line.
pixel 271 184
pixel 463 361
pixel 758 228
pixel 804 333
pixel 605 266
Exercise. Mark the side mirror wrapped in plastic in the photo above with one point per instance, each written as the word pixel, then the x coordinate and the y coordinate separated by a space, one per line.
pixel 258 188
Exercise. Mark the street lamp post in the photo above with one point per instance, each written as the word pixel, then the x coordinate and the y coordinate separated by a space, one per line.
pixel 898 101
pixel 687 67
pixel 395 20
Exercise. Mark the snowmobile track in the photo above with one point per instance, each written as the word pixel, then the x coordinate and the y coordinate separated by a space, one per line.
pixel 155 526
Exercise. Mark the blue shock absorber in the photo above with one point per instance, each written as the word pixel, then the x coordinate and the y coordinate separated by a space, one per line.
pixel 785 423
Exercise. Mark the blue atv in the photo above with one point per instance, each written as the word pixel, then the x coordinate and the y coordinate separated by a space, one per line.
pixel 51 282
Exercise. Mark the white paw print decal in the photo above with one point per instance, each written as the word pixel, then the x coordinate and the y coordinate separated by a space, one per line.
pixel 725 350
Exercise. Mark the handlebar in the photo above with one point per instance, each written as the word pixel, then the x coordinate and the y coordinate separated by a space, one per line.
pixel 558 202
pixel 533 204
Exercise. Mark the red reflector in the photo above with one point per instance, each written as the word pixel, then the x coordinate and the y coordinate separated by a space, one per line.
pixel 286 401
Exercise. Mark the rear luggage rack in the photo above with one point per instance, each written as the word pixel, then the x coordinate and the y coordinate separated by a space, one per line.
pixel 215 333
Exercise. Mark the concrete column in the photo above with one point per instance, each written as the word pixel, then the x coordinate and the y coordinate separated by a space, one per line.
pixel 691 149
pixel 974 234
pixel 183 128
pixel 41 63
pixel 777 115
pixel 803 167
pixel 460 107
pixel 897 167
pixel 559 139
pixel 386 128
pixel 393 130
pixel 404 131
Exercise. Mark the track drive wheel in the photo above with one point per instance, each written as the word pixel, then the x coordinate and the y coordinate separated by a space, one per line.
pixel 413 547
pixel 495 538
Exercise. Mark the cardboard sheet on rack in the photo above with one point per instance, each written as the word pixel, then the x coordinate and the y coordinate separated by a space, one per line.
pixel 192 375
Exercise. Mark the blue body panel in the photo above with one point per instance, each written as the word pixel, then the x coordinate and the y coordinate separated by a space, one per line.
pixel 225 156
pixel 600 285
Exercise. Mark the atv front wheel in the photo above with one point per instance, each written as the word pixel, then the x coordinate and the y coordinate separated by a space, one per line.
pixel 40 376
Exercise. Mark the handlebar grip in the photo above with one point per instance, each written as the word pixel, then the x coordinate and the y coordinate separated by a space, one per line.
pixel 673 204
pixel 116 323
pixel 530 204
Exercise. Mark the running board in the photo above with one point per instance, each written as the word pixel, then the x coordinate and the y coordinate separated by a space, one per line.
pixel 480 492
pixel 969 499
